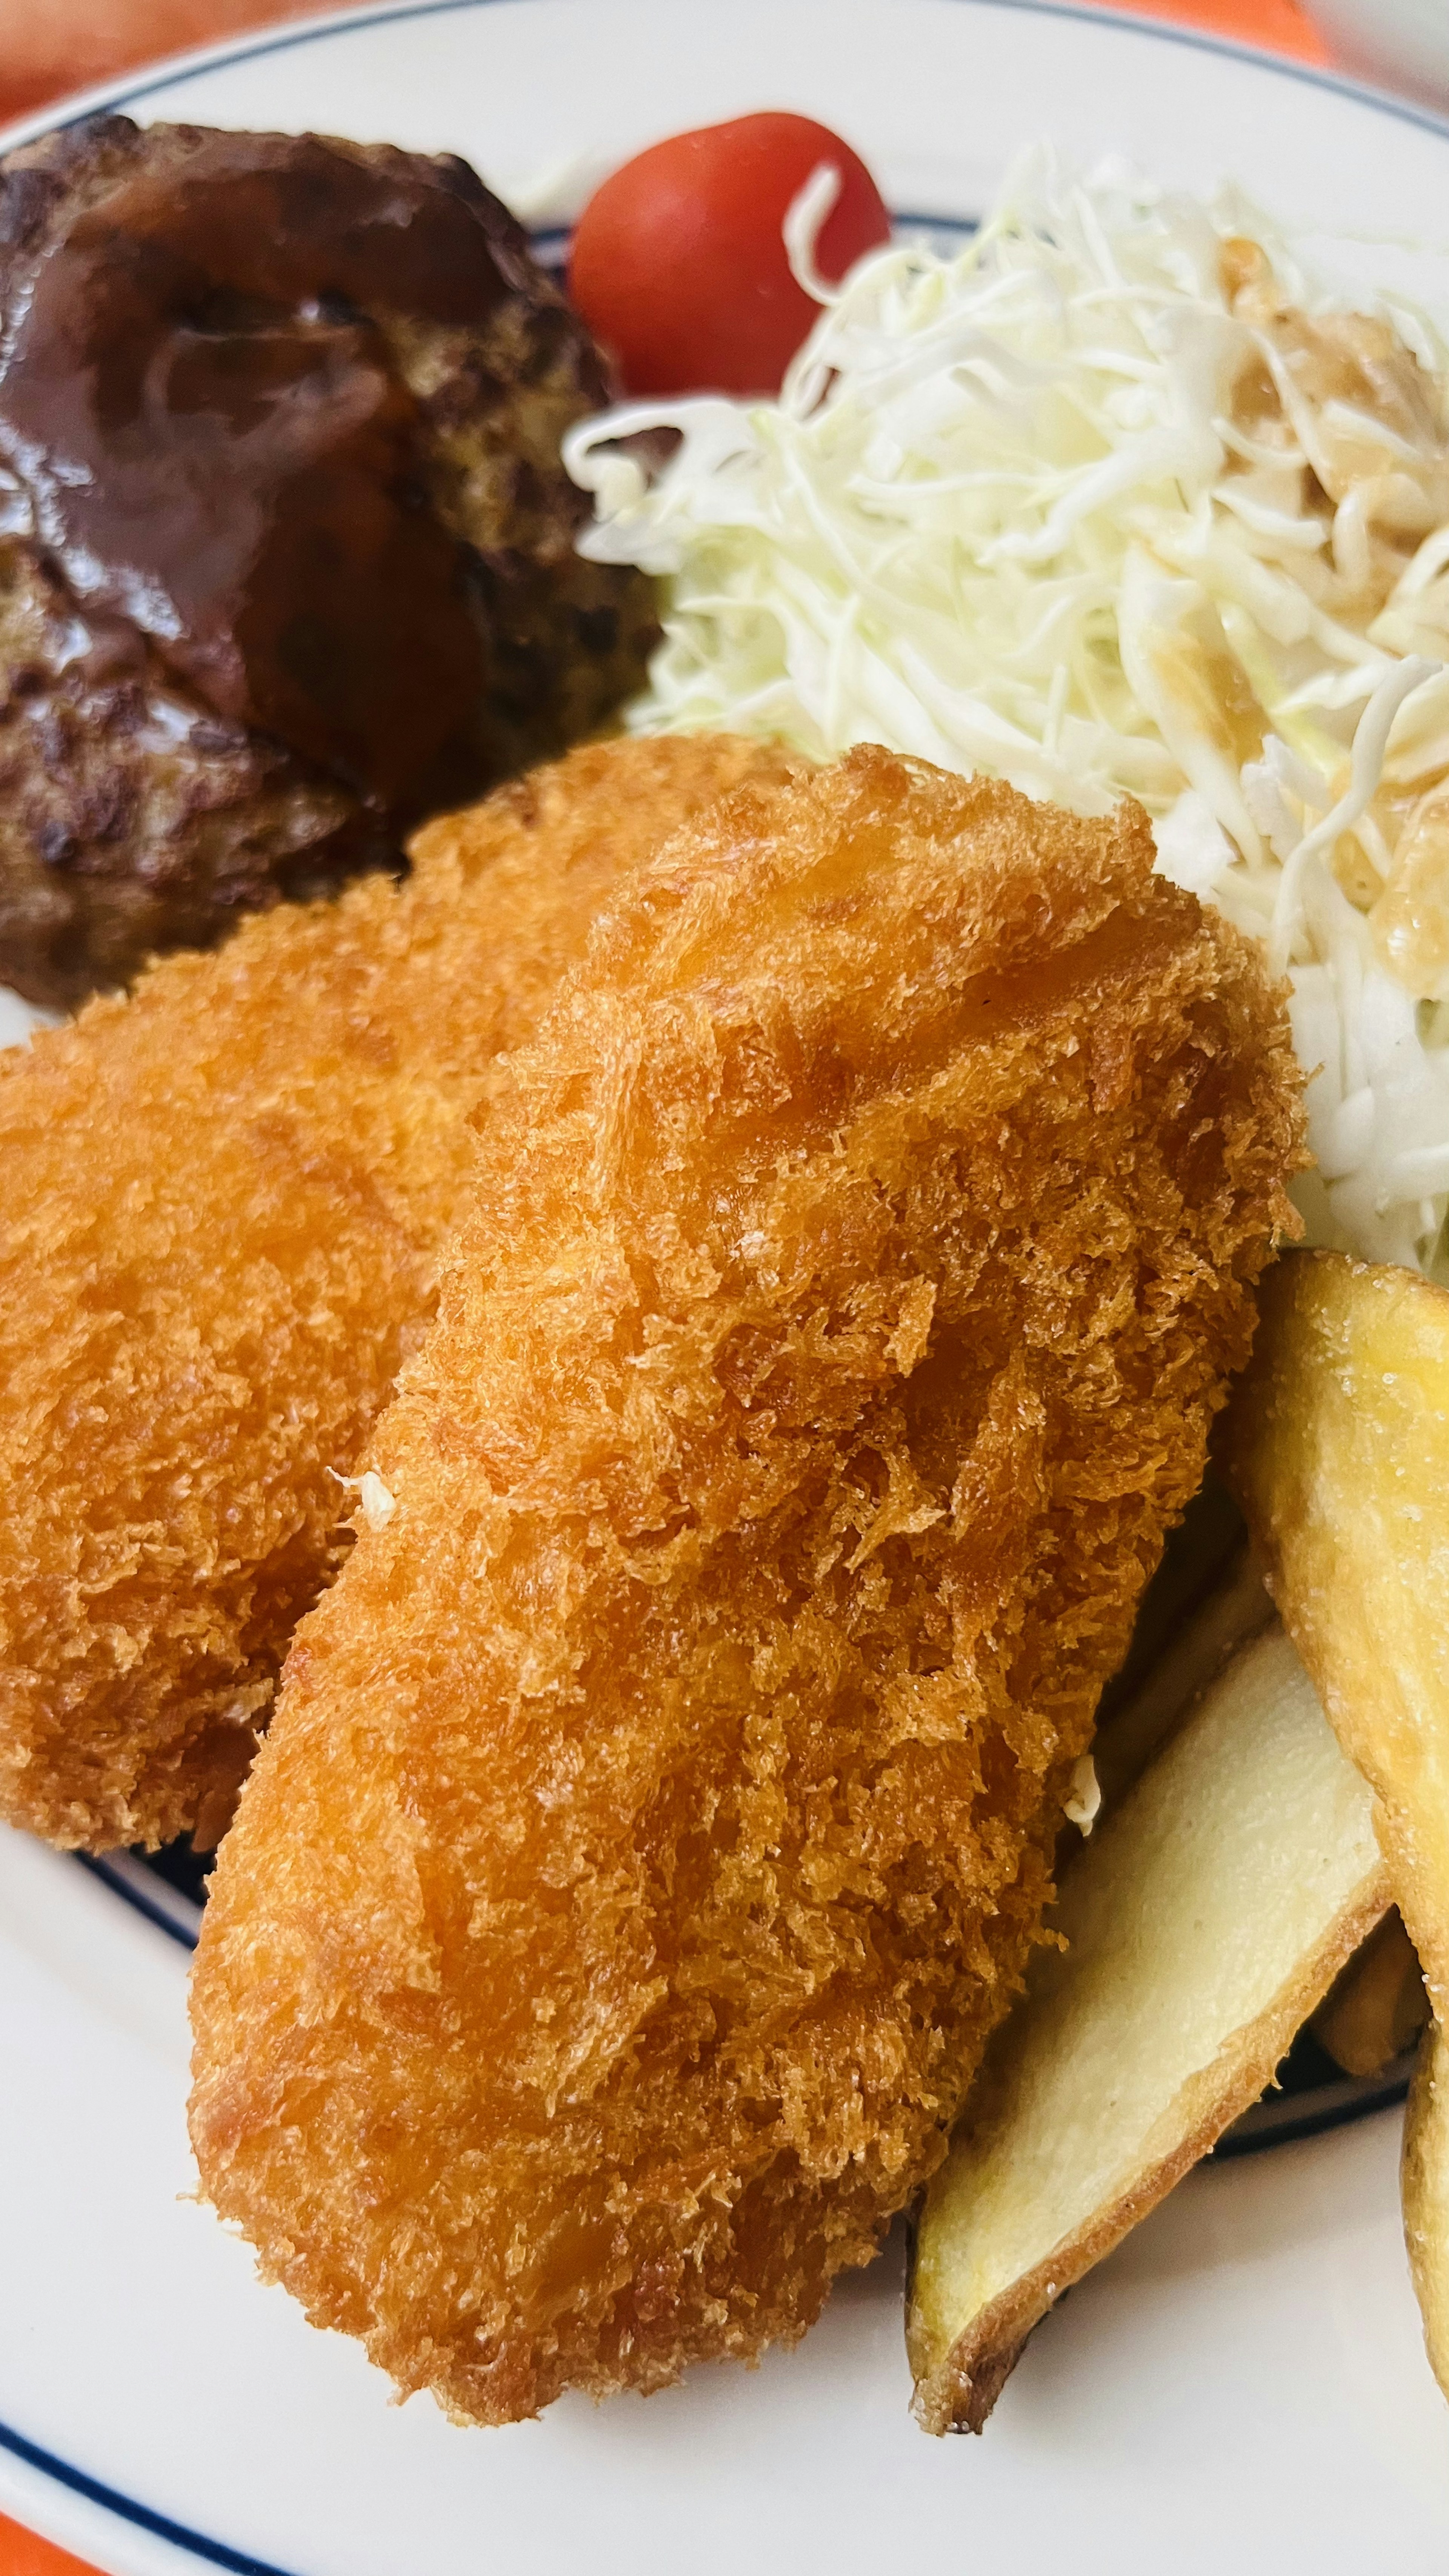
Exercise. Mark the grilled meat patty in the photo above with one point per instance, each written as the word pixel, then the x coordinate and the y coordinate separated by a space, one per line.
pixel 286 546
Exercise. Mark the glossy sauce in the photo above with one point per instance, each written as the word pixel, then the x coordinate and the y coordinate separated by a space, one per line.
pixel 220 449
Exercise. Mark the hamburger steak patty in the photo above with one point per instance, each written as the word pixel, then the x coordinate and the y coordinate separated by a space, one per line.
pixel 286 545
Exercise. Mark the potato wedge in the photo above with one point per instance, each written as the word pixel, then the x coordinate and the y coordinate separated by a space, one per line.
pixel 1337 1443
pixel 1195 1561
pixel 1236 1609
pixel 1425 2180
pixel 1376 2009
pixel 1204 1921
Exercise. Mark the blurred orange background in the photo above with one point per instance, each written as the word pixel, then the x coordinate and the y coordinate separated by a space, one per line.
pixel 22 2555
pixel 52 47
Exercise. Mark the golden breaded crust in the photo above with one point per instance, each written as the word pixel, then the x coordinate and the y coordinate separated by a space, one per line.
pixel 659 1809
pixel 221 1216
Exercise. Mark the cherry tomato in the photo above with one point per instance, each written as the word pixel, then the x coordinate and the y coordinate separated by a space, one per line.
pixel 678 265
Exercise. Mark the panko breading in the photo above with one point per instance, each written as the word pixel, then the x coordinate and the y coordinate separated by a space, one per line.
pixel 659 1809
pixel 222 1213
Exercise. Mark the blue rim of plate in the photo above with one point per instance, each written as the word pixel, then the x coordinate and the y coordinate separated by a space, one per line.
pixel 128 1877
pixel 211 2553
pixel 207 58
pixel 143 1888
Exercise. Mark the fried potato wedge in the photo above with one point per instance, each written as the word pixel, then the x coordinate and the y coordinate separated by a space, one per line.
pixel 1202 1924
pixel 1425 2179
pixel 1337 1443
pixel 1376 2009
pixel 1196 1558
pixel 1235 1610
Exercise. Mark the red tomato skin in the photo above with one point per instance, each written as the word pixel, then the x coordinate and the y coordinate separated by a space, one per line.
pixel 678 266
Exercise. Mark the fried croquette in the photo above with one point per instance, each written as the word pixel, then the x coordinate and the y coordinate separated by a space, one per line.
pixel 223 1210
pixel 659 1809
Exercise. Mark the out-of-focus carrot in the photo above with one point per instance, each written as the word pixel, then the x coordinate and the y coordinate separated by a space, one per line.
pixel 1276 26
pixel 21 2554
pixel 70 44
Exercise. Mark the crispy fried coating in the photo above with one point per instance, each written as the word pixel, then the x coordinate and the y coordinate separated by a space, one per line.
pixel 223 1207
pixel 659 1809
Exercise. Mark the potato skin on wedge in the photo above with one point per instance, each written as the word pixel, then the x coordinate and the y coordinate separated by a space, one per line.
pixel 1337 1445
pixel 1377 2008
pixel 1424 2181
pixel 1202 1923
pixel 1236 1609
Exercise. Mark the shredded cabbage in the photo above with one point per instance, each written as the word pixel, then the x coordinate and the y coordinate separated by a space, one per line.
pixel 1114 500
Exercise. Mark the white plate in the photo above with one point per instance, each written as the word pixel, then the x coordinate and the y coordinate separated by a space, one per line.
pixel 1242 2387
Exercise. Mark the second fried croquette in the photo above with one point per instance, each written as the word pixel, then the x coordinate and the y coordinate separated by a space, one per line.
pixel 223 1210
pixel 659 1809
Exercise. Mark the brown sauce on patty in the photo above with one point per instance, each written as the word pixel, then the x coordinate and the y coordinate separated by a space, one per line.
pixel 222 452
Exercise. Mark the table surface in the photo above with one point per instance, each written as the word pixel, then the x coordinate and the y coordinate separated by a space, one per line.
pixel 1276 24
